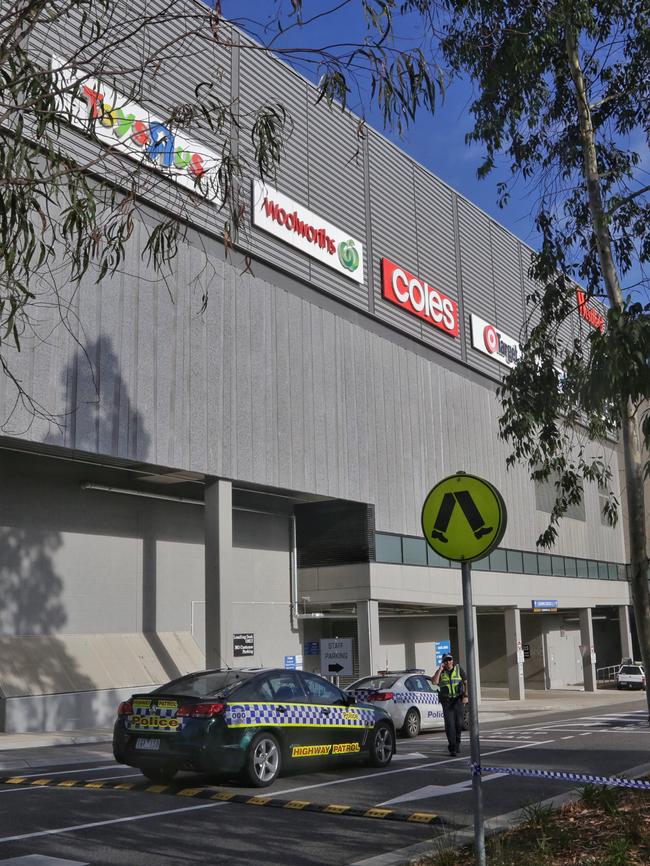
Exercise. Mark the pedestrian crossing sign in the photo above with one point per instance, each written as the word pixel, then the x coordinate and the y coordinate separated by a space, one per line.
pixel 463 517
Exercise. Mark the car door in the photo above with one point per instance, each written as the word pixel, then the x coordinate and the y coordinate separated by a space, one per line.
pixel 425 697
pixel 340 724
pixel 276 700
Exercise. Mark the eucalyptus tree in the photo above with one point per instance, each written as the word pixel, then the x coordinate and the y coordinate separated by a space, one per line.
pixel 76 166
pixel 563 97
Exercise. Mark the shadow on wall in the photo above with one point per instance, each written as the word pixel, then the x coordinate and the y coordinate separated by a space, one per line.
pixel 101 418
pixel 31 608
pixel 99 414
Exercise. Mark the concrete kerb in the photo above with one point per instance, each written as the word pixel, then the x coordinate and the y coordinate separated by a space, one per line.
pixel 414 855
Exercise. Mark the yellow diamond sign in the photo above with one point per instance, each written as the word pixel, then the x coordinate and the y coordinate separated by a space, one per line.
pixel 463 517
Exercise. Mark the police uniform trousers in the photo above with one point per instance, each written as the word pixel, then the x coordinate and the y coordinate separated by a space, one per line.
pixel 452 709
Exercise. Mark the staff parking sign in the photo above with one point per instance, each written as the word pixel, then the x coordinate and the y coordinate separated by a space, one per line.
pixel 463 517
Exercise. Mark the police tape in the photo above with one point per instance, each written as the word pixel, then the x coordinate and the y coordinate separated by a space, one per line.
pixel 606 781
pixel 208 793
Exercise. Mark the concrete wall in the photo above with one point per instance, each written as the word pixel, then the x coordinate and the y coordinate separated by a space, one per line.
pixel 104 591
pixel 295 376
pixel 416 584
pixel 408 642
pixel 492 649
pixel 532 636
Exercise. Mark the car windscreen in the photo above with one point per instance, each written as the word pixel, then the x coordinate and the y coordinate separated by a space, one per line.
pixel 205 683
pixel 374 683
pixel 630 669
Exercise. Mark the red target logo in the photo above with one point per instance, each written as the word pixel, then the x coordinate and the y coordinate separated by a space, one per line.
pixel 491 339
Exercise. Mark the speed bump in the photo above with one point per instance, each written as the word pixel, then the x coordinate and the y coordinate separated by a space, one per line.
pixel 207 793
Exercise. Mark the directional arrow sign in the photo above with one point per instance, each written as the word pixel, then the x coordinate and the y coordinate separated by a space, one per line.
pixel 336 656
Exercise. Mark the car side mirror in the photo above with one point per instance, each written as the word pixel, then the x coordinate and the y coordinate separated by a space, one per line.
pixel 351 700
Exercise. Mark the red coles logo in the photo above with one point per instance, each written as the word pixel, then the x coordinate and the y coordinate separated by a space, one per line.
pixel 419 298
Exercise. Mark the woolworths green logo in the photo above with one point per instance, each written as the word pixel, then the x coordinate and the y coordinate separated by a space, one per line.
pixel 348 255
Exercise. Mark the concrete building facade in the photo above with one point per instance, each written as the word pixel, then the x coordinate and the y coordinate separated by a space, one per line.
pixel 249 470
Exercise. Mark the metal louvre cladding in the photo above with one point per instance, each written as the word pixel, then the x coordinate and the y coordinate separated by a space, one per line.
pixel 297 715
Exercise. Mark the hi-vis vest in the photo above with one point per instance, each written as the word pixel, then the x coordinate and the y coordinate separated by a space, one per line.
pixel 450 683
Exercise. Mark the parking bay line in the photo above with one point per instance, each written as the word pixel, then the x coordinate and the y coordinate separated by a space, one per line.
pixel 68 771
pixel 74 828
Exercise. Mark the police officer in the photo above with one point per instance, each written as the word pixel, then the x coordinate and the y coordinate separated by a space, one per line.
pixel 453 694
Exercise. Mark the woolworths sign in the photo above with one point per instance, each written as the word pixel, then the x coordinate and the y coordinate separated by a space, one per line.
pixel 294 224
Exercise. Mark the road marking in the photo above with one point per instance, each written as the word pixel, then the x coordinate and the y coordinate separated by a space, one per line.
pixel 410 769
pixel 41 860
pixel 81 770
pixel 37 788
pixel 438 790
pixel 74 827
pixel 411 756
pixel 209 793
pixel 567 738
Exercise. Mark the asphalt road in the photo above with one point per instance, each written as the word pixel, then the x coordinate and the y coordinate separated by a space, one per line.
pixel 45 826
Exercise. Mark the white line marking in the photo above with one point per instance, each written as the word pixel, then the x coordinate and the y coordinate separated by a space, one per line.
pixel 567 738
pixel 76 827
pixel 407 769
pixel 67 772
pixel 431 791
pixel 45 787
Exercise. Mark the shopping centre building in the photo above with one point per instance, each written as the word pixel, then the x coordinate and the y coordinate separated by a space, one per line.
pixel 244 445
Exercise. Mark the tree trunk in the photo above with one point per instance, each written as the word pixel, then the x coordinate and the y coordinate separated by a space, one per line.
pixel 631 448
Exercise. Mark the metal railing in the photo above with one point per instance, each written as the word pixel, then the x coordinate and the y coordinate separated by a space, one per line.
pixel 607 675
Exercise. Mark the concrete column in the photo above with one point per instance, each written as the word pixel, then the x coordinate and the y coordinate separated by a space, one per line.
pixel 627 649
pixel 462 652
pixel 368 637
pixel 588 652
pixel 218 574
pixel 514 654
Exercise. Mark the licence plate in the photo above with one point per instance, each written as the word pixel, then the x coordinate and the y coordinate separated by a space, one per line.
pixel 147 743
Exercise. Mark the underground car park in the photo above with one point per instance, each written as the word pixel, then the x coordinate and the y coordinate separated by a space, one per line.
pixel 248 723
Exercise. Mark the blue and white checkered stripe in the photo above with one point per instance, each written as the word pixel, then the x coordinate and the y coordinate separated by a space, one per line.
pixel 607 781
pixel 310 715
pixel 416 698
pixel 400 697
pixel 362 694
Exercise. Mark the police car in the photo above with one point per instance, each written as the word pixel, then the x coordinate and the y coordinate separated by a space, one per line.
pixel 409 697
pixel 250 722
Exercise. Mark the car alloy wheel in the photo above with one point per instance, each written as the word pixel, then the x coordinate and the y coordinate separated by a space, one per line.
pixel 263 764
pixel 411 726
pixel 381 745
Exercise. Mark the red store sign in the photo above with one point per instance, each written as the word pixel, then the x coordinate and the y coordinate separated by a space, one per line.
pixel 589 314
pixel 418 298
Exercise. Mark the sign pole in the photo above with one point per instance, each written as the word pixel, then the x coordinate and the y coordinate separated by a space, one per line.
pixel 474 739
pixel 463 519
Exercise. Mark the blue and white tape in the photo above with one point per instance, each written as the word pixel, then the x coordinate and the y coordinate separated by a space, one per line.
pixel 607 781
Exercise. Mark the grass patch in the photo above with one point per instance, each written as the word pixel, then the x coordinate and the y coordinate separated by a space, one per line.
pixel 606 827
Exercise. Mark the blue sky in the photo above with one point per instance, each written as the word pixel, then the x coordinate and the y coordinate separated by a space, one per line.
pixel 437 140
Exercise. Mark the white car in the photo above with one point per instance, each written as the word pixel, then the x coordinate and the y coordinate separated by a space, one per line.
pixel 409 697
pixel 630 676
